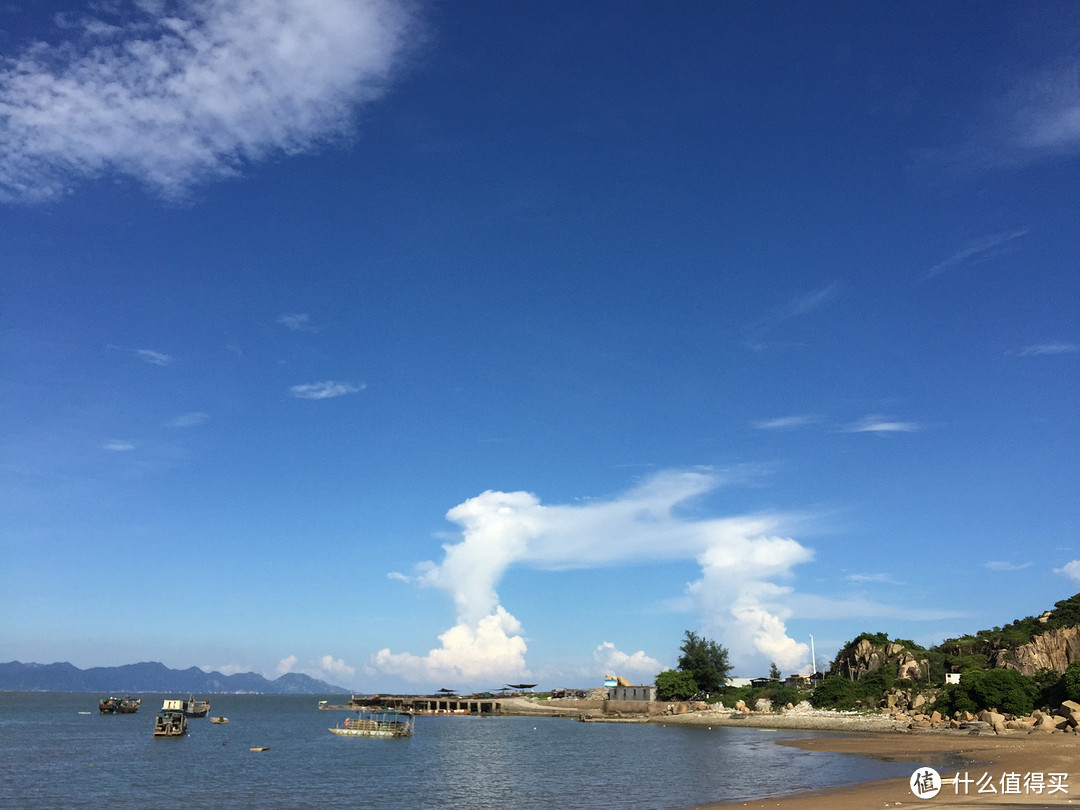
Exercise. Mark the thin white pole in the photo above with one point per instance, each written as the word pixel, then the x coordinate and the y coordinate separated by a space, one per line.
pixel 813 656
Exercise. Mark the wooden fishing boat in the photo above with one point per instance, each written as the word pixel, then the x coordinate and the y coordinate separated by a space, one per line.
pixel 384 723
pixel 220 720
pixel 170 723
pixel 115 705
pixel 196 708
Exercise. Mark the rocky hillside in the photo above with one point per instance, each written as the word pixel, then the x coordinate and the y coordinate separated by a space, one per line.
pixel 870 652
pixel 1054 649
pixel 1047 642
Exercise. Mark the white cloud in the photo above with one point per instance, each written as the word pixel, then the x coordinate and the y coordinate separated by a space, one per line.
pixel 815 299
pixel 1040 349
pixel 785 422
pixel 118 446
pixel 610 659
pixel 336 667
pixel 503 529
pixel 881 424
pixel 192 419
pixel 297 322
pixel 492 649
pixel 1070 569
pixel 228 669
pixel 155 358
pixel 878 577
pixel 1041 116
pixel 324 390
pixel 998 565
pixel 180 93
pixel 976 252
pixel 285 665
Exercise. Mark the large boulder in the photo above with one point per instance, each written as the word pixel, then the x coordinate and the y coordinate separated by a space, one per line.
pixel 996 721
pixel 1071 710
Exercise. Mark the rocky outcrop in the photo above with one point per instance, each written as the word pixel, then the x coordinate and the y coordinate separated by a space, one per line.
pixel 864 657
pixel 1054 649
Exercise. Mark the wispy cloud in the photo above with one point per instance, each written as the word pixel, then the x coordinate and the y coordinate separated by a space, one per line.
pixel 117 446
pixel 815 299
pixel 881 424
pixel 735 597
pixel 794 308
pixel 1040 117
pixel 192 419
pixel 297 322
pixel 1039 349
pixel 998 565
pixel 976 252
pixel 174 94
pixel 880 578
pixel 786 422
pixel 154 358
pixel 324 390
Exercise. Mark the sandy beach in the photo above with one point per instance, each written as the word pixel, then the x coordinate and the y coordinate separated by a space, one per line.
pixel 1012 764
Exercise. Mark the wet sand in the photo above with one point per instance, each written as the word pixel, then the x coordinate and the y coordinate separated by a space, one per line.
pixel 995 756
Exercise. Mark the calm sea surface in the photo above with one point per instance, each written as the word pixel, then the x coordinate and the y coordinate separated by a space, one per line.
pixel 52 756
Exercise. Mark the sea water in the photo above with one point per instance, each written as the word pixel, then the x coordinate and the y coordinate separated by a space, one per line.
pixel 55 755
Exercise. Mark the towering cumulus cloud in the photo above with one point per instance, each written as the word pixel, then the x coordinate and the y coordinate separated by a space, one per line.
pixel 174 92
pixel 736 597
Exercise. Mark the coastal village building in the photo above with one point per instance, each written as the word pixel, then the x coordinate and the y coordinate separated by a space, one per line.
pixel 635 693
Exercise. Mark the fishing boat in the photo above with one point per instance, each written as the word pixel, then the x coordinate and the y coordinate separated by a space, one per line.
pixel 196 708
pixel 377 723
pixel 170 723
pixel 220 720
pixel 115 705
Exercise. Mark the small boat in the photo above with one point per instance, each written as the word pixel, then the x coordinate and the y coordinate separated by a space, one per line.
pixel 377 723
pixel 220 720
pixel 170 723
pixel 115 705
pixel 196 708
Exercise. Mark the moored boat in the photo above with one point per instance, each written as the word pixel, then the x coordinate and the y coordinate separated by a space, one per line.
pixel 196 708
pixel 384 723
pixel 170 723
pixel 219 720
pixel 115 705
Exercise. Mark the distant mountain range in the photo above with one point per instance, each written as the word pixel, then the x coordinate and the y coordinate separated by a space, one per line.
pixel 151 676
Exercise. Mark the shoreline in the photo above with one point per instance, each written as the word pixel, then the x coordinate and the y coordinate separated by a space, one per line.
pixel 989 760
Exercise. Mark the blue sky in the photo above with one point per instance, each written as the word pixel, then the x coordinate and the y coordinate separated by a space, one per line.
pixel 420 345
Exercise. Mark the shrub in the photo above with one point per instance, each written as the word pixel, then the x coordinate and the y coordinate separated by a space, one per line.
pixel 674 684
pixel 835 692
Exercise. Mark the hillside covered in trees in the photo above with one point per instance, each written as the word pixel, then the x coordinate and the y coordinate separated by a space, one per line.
pixel 1032 662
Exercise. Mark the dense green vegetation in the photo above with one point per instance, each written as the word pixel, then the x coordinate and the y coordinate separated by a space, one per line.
pixel 980 687
pixel 674 684
pixel 703 670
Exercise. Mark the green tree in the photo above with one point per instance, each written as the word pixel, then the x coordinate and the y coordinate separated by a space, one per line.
pixel 1003 689
pixel 1071 681
pixel 706 661
pixel 774 672
pixel 673 684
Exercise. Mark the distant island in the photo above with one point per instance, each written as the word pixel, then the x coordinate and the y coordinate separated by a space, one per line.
pixel 151 676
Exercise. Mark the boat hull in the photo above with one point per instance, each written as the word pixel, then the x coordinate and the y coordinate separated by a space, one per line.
pixel 370 732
